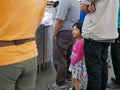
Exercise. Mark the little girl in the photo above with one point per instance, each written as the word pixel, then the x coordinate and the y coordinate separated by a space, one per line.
pixel 77 66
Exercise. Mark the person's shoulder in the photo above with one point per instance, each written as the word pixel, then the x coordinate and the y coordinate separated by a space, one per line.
pixel 81 41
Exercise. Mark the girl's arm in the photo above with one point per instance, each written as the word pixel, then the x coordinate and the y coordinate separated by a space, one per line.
pixel 79 53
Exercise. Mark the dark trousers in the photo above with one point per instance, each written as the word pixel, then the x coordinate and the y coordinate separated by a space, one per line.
pixel 62 51
pixel 96 54
pixel 115 55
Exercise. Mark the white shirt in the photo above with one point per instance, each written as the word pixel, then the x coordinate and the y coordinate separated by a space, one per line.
pixel 102 24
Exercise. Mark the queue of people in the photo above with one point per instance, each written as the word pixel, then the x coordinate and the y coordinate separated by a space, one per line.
pixel 80 50
pixel 98 32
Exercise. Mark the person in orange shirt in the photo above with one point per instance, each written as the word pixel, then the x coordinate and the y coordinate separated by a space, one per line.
pixel 19 20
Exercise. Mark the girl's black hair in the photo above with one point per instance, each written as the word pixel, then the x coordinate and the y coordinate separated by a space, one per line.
pixel 78 25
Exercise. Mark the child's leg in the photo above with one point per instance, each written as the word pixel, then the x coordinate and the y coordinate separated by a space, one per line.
pixel 76 84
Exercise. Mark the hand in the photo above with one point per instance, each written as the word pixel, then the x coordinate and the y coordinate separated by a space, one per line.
pixel 91 8
pixel 54 37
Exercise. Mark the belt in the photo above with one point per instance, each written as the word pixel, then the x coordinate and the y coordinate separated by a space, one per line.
pixel 15 42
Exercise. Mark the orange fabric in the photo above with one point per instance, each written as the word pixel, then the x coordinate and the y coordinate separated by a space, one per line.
pixel 19 19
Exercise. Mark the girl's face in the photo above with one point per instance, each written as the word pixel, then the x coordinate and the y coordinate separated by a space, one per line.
pixel 76 32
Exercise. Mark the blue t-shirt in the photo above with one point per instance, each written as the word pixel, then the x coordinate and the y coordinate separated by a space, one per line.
pixel 82 16
pixel 119 17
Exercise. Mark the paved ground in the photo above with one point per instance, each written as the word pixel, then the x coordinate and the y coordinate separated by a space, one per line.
pixel 47 75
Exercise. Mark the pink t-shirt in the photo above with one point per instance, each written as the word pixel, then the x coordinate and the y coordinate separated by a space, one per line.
pixel 77 52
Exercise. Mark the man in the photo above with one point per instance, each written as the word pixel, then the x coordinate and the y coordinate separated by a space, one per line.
pixel 99 29
pixel 115 51
pixel 67 14
pixel 19 20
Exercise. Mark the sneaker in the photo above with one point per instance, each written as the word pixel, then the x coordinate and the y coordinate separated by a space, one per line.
pixel 113 86
pixel 73 88
pixel 68 80
pixel 115 81
pixel 54 86
pixel 81 87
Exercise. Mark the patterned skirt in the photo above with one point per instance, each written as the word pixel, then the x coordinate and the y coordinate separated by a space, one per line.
pixel 79 70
